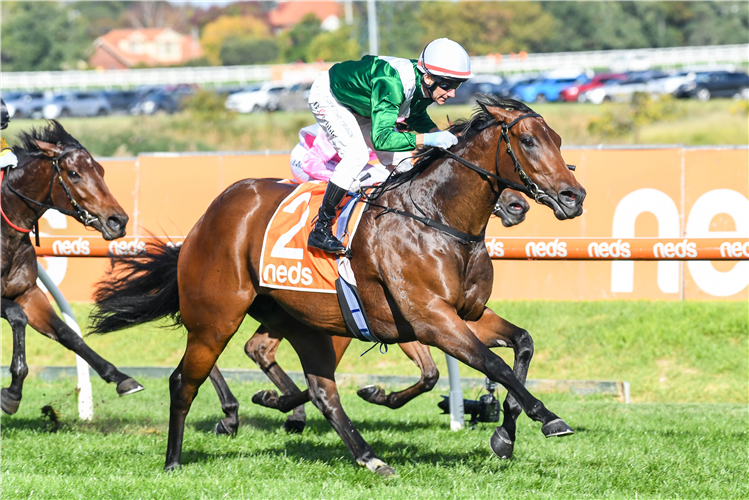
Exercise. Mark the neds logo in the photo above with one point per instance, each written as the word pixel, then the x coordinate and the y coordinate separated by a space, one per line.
pixel 68 247
pixel 542 249
pixel 735 249
pixel 495 248
pixel 133 247
pixel 605 249
pixel 670 250
pixel 294 274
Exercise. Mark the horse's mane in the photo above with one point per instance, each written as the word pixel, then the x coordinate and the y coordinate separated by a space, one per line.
pixel 466 129
pixel 52 133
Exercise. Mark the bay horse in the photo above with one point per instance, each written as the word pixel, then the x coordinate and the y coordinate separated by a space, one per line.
pixel 54 172
pixel 262 346
pixel 424 277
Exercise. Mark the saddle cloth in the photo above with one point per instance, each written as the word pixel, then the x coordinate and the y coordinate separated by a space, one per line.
pixel 286 262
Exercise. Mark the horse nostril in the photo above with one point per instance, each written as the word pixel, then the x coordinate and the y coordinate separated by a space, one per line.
pixel 569 197
pixel 115 223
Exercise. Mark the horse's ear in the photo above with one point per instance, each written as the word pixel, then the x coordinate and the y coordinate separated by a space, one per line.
pixel 502 115
pixel 49 149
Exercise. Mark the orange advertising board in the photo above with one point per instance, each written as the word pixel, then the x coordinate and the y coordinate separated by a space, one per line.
pixel 667 193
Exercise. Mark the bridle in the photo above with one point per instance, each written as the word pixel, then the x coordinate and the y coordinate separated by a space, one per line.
pixel 79 213
pixel 528 187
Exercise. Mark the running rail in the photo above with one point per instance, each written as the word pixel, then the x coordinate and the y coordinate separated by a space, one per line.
pixel 562 248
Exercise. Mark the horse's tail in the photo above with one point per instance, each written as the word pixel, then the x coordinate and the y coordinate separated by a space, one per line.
pixel 137 290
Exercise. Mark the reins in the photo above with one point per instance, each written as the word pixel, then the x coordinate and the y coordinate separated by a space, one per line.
pixel 79 213
pixel 528 187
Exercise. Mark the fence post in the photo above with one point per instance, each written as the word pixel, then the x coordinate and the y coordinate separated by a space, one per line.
pixel 457 417
pixel 85 394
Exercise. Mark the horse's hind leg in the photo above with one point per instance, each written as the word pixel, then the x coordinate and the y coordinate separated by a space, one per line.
pixel 261 348
pixel 494 331
pixel 318 359
pixel 420 355
pixel 10 399
pixel 229 404
pixel 44 320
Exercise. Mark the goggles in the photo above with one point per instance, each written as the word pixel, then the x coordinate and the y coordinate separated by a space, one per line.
pixel 447 84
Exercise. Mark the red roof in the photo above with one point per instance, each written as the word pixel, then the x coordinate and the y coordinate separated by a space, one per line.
pixel 110 42
pixel 287 14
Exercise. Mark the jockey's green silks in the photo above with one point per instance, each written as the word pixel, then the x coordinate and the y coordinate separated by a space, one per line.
pixel 384 89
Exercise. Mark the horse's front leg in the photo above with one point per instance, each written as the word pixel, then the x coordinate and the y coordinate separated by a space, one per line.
pixel 419 354
pixel 443 328
pixel 494 331
pixel 44 320
pixel 10 399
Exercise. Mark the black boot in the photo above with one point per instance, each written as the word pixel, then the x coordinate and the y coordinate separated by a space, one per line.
pixel 321 236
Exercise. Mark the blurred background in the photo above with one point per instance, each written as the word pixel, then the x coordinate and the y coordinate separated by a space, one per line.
pixel 135 77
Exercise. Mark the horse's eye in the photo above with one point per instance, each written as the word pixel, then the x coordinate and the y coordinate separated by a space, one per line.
pixel 73 175
pixel 527 141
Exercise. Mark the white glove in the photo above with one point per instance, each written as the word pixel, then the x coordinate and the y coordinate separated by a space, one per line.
pixel 8 159
pixel 442 139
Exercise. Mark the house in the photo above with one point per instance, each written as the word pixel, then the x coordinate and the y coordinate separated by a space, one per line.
pixel 287 14
pixel 125 48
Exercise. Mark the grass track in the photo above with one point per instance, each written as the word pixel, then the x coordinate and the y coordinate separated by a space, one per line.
pixel 668 351
pixel 619 451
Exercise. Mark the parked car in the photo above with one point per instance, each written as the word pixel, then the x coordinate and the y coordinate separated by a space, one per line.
pixel 294 98
pixel 549 88
pixel 479 84
pixel 24 104
pixel 507 87
pixel 577 92
pixel 161 100
pixel 121 101
pixel 76 104
pixel 669 83
pixel 256 98
pixel 623 90
pixel 716 84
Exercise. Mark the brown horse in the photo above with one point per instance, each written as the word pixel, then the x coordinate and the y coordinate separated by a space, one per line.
pixel 422 277
pixel 54 172
pixel 261 348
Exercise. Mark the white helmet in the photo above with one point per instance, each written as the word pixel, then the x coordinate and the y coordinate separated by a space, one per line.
pixel 444 58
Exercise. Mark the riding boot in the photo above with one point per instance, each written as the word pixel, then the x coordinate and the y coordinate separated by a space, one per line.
pixel 321 236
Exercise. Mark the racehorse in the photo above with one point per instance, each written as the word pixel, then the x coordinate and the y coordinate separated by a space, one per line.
pixel 54 172
pixel 424 277
pixel 261 348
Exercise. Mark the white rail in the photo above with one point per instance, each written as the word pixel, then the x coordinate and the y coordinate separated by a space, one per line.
pixel 618 60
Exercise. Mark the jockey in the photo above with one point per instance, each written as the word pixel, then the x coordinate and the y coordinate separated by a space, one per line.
pixel 7 158
pixel 357 104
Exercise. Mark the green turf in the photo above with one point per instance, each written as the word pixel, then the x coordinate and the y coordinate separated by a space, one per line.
pixel 618 451
pixel 719 121
pixel 669 351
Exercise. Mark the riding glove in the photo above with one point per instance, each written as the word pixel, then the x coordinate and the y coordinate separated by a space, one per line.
pixel 8 159
pixel 441 139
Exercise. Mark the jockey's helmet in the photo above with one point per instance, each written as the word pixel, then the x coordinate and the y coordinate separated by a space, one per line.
pixel 446 62
pixel 4 115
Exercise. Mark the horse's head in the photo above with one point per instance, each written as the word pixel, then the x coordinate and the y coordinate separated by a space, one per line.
pixel 77 185
pixel 533 150
pixel 511 208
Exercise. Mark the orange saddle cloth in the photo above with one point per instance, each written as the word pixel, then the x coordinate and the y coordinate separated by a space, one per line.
pixel 286 262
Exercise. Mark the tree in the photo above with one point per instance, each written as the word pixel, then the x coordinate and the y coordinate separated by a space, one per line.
pixel 333 46
pixel 42 36
pixel 298 39
pixel 225 27
pixel 238 51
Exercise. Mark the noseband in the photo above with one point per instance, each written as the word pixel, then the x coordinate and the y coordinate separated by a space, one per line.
pixel 79 213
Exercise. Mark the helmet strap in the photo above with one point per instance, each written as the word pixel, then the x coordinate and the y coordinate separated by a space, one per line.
pixel 430 88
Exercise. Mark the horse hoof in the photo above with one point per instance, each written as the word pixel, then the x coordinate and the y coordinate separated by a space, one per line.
pixel 263 398
pixel 556 427
pixel 173 467
pixel 128 386
pixel 379 467
pixel 501 444
pixel 370 393
pixel 222 430
pixel 294 426
pixel 8 404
